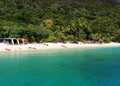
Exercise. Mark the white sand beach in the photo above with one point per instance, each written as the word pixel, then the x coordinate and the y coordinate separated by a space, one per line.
pixel 49 46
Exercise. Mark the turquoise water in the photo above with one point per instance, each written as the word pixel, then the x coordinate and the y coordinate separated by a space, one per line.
pixel 75 67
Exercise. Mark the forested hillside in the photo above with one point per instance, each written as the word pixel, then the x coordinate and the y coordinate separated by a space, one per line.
pixel 60 20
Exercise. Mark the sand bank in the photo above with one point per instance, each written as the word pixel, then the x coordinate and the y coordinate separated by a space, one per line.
pixel 48 46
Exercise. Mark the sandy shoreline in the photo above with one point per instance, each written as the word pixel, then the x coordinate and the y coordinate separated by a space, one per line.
pixel 48 46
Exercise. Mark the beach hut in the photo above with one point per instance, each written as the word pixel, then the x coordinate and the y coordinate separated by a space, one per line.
pixel 13 41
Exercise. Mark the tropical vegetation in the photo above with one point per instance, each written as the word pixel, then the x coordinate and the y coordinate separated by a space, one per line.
pixel 60 20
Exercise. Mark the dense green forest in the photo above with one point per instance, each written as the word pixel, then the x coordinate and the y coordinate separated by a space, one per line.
pixel 60 20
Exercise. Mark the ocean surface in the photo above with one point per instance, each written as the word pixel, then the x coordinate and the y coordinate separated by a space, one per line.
pixel 67 67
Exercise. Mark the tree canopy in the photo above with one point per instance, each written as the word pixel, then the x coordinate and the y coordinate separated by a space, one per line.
pixel 61 20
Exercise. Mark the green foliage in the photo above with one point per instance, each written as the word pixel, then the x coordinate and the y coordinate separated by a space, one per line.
pixel 51 39
pixel 20 32
pixel 97 37
pixel 60 20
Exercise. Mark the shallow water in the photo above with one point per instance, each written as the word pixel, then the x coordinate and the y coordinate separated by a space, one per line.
pixel 74 67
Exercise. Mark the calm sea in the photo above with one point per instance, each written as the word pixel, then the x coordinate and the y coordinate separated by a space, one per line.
pixel 68 67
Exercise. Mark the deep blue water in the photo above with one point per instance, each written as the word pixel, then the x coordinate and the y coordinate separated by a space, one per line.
pixel 74 67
